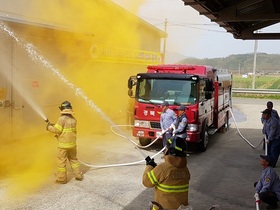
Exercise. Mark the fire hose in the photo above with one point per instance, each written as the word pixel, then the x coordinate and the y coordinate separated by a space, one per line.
pixel 143 154
pixel 130 163
pixel 257 198
pixel 258 201
pixel 140 146
pixel 121 164
pixel 247 141
pixel 137 147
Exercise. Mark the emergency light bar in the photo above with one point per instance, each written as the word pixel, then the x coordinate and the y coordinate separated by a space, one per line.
pixel 171 67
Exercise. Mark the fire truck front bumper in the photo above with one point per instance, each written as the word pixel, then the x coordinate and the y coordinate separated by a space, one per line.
pixel 146 133
pixel 152 134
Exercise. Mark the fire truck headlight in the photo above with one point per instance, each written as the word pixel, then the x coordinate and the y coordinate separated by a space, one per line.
pixel 192 127
pixel 141 124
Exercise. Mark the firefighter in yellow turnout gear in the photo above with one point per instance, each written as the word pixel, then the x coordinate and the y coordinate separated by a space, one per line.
pixel 169 179
pixel 66 133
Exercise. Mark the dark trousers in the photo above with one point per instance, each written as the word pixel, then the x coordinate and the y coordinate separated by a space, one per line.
pixel 269 197
pixel 273 149
pixel 165 137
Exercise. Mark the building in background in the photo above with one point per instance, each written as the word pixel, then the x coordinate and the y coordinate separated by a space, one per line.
pixel 56 51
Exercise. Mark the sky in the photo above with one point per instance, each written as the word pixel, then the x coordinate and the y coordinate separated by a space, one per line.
pixel 194 35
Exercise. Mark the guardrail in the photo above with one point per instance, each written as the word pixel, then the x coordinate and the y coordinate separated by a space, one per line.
pixel 255 91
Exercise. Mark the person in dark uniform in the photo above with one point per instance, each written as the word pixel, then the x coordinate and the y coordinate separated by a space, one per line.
pixel 181 124
pixel 268 187
pixel 271 129
pixel 274 113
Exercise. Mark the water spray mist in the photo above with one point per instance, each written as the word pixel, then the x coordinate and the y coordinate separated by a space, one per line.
pixel 34 55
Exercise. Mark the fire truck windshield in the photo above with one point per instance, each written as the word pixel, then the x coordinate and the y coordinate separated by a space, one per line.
pixel 176 92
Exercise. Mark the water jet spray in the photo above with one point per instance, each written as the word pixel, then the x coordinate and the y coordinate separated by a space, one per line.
pixel 27 97
pixel 34 55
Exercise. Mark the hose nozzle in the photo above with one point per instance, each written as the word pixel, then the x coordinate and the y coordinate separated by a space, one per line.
pixel 47 120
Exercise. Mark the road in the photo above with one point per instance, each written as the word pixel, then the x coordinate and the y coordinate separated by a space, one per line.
pixel 223 175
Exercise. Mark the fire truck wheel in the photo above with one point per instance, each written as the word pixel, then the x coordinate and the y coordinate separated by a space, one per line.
pixel 202 145
pixel 144 141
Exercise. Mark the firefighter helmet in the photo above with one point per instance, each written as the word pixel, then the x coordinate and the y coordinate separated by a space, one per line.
pixel 176 147
pixel 65 105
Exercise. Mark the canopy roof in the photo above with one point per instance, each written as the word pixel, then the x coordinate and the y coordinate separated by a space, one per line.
pixel 243 18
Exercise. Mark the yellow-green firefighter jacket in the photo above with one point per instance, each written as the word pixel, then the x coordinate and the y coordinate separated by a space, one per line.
pixel 170 180
pixel 65 128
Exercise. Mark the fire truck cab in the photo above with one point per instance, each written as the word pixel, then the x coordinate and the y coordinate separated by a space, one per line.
pixel 204 90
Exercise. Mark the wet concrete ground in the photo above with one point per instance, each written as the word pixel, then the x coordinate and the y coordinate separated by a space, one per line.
pixel 223 175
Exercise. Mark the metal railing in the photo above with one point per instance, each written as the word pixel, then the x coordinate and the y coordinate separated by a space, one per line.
pixel 255 91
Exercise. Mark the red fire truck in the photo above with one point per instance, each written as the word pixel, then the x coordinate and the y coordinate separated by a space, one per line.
pixel 204 90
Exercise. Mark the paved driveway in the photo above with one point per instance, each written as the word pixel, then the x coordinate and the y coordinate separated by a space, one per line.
pixel 223 175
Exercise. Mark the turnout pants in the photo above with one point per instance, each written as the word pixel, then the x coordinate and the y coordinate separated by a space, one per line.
pixel 62 156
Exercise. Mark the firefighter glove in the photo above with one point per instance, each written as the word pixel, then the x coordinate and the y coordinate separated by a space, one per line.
pixel 49 125
pixel 147 159
pixel 150 161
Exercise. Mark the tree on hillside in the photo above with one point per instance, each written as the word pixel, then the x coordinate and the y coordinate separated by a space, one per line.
pixel 265 62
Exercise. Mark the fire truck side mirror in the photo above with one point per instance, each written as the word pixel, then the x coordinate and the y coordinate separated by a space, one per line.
pixel 131 82
pixel 130 93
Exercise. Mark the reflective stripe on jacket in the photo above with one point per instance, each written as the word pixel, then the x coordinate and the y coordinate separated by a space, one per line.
pixel 167 188
pixel 171 184
pixel 66 130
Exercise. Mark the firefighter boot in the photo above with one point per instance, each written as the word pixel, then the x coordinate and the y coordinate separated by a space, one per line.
pixel 80 177
pixel 60 182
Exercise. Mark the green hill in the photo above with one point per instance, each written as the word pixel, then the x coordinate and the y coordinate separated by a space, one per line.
pixel 243 63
